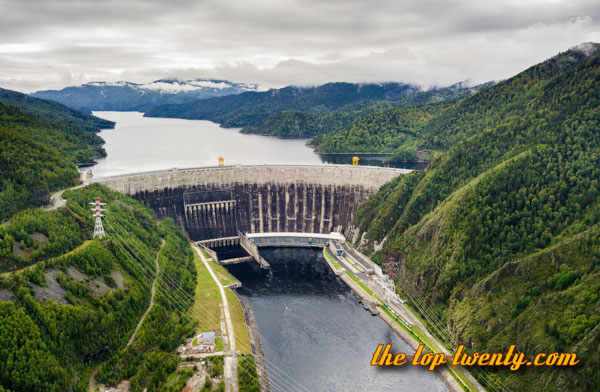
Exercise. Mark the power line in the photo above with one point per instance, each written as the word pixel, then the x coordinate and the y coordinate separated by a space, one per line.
pixel 180 295
pixel 274 378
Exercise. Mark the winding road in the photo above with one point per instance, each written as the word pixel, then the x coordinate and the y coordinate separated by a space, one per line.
pixel 92 381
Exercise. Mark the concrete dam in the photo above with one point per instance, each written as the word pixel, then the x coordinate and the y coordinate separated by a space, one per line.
pixel 219 202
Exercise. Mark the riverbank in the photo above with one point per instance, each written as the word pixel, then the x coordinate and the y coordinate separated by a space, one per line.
pixel 452 378
pixel 257 351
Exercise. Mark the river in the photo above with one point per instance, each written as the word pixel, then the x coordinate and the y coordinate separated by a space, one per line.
pixel 313 327
pixel 310 323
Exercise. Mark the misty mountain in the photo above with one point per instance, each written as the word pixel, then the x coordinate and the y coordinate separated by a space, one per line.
pixel 141 97
pixel 295 111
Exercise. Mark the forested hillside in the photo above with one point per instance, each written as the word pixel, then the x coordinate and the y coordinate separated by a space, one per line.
pixel 29 171
pixel 70 132
pixel 77 306
pixel 304 112
pixel 501 236
pixel 68 303
pixel 39 143
pixel 50 110
pixel 390 130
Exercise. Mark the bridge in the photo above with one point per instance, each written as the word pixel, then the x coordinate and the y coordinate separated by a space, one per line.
pixel 217 203
pixel 297 240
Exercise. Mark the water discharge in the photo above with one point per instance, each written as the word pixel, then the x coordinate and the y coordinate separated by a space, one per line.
pixel 312 326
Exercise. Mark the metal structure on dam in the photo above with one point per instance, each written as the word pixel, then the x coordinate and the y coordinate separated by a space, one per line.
pixel 217 202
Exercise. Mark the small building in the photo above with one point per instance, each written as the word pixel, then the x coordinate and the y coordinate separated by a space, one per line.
pixel 208 337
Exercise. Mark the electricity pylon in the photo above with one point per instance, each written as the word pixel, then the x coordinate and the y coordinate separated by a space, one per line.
pixel 97 213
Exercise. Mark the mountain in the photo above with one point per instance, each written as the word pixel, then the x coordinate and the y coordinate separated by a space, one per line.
pixel 140 97
pixel 397 128
pixel 39 143
pixel 251 107
pixel 69 131
pixel 498 241
pixel 303 111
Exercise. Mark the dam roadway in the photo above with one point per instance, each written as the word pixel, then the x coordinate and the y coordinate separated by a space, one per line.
pixel 217 202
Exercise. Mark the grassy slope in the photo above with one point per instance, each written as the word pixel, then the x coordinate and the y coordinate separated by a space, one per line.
pixel 208 299
pixel 502 231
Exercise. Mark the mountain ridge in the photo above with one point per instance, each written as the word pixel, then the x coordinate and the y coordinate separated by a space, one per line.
pixel 321 109
pixel 129 96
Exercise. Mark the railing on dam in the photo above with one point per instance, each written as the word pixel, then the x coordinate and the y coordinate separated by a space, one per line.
pixel 366 176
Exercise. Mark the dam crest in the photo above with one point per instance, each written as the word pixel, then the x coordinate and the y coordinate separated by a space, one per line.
pixel 217 202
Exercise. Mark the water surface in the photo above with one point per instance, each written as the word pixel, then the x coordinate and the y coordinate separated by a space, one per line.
pixel 312 326
pixel 145 143
pixel 139 144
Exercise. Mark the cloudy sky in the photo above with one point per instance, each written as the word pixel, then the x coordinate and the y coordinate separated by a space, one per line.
pixel 55 43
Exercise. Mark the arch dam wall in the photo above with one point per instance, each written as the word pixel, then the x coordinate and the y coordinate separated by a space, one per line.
pixel 216 202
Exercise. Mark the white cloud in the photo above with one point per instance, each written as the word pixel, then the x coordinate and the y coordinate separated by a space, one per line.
pixel 55 43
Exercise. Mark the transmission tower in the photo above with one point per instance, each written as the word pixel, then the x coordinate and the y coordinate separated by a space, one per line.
pixel 97 213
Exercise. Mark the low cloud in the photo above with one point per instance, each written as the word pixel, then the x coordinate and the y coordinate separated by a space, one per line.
pixel 53 44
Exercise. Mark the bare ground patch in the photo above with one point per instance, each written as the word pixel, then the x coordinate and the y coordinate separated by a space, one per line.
pixel 53 290
pixel 7 295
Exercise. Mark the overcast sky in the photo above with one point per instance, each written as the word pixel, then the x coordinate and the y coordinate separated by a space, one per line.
pixel 56 43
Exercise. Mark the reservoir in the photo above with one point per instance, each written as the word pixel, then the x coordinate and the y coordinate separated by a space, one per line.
pixel 139 144
pixel 144 143
pixel 313 328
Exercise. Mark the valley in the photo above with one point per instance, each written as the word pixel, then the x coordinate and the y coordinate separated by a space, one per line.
pixel 494 242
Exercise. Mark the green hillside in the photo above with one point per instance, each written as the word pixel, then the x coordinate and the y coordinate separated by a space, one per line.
pixel 29 171
pixel 75 142
pixel 286 124
pixel 350 118
pixel 77 306
pixel 501 234
pixel 304 111
pixel 53 111
pixel 384 131
pixel 39 143
pixel 69 304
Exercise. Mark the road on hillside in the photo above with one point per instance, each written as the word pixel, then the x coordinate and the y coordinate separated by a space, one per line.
pixel 151 296
pixel 150 305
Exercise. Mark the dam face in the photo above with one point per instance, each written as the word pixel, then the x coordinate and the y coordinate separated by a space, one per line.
pixel 216 202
